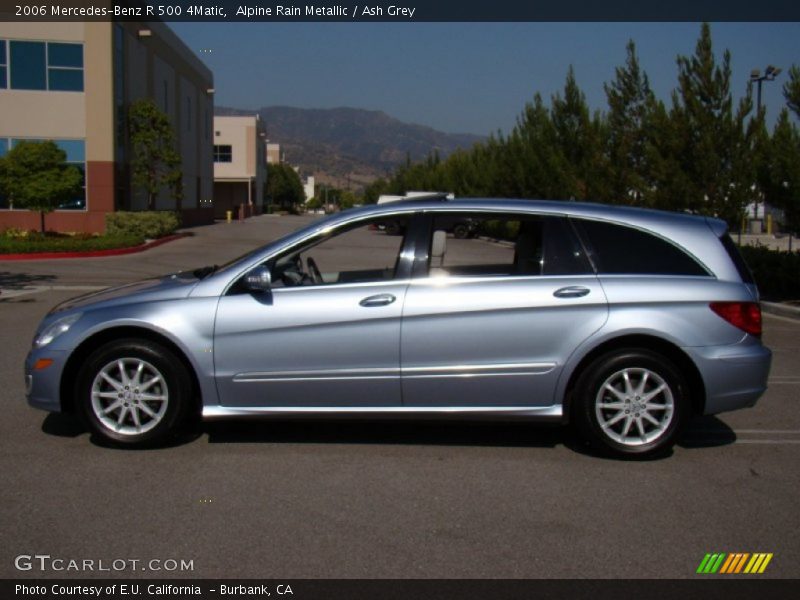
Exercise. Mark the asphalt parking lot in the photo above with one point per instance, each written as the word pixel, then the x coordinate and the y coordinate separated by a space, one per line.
pixel 384 500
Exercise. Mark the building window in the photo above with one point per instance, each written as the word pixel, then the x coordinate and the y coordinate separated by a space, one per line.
pixel 223 154
pixel 76 156
pixel 44 66
pixel 65 67
pixel 188 113
pixel 28 66
pixel 3 65
pixel 3 151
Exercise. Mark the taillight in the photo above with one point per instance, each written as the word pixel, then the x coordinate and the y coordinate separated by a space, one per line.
pixel 744 315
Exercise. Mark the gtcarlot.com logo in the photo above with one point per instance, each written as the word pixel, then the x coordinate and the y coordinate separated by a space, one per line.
pixel 734 563
pixel 45 562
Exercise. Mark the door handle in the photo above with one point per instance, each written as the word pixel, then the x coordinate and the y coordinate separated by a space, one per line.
pixel 379 300
pixel 573 291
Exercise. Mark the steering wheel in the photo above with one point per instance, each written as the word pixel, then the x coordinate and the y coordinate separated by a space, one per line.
pixel 316 276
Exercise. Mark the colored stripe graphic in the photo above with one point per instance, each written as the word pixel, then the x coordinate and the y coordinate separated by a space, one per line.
pixel 734 563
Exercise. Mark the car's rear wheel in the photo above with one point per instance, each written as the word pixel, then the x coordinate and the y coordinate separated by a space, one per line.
pixel 134 392
pixel 630 403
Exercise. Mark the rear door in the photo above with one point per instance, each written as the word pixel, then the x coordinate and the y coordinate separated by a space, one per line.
pixel 490 320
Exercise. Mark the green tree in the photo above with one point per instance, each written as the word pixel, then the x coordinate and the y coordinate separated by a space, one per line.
pixel 155 164
pixel 782 186
pixel 35 175
pixel 578 139
pixel 714 141
pixel 284 187
pixel 631 104
pixel 791 90
pixel 374 190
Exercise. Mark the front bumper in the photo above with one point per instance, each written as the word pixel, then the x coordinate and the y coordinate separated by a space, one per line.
pixel 43 386
pixel 735 376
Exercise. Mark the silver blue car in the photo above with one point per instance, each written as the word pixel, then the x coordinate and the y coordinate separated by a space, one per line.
pixel 621 322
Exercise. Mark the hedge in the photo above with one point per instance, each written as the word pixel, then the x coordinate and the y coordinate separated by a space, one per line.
pixel 777 273
pixel 149 224
pixel 36 242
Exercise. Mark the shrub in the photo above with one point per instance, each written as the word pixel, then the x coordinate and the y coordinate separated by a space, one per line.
pixel 777 273
pixel 38 242
pixel 146 224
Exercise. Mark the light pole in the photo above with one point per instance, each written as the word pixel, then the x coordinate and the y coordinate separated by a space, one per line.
pixel 770 73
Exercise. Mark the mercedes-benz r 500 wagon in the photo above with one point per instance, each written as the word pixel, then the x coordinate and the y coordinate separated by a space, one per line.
pixel 621 322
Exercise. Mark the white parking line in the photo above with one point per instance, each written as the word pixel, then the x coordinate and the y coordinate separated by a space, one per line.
pixel 35 289
pixel 767 442
pixel 791 438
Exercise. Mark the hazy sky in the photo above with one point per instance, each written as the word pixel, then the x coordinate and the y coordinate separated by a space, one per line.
pixel 463 77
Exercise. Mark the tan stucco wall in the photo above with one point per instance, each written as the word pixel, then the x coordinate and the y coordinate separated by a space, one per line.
pixel 43 114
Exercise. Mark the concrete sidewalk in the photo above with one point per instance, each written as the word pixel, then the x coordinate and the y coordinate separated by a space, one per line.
pixel 208 245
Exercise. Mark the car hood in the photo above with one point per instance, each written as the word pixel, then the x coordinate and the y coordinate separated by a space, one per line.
pixel 169 287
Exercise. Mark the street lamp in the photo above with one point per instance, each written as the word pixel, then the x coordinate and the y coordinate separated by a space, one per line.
pixel 770 73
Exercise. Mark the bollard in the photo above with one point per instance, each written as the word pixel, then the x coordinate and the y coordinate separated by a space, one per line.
pixel 769 224
pixel 229 216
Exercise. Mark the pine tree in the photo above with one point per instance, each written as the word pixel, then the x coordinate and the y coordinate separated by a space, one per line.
pixel 791 90
pixel 714 145
pixel 631 103
pixel 782 187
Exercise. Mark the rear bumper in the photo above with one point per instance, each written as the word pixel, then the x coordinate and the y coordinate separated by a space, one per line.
pixel 735 376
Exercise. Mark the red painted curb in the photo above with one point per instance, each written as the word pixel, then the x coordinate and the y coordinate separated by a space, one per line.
pixel 93 253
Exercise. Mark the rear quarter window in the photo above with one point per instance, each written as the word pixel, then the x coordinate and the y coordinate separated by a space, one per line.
pixel 733 252
pixel 622 250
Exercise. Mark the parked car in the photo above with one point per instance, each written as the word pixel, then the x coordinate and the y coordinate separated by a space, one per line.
pixel 621 322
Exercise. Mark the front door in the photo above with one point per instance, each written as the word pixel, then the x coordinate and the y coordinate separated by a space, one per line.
pixel 328 333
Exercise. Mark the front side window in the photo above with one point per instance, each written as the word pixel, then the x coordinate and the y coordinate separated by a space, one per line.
pixel 223 154
pixel 487 245
pixel 43 66
pixel 621 250
pixel 363 253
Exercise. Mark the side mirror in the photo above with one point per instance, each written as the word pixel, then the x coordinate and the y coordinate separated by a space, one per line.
pixel 258 280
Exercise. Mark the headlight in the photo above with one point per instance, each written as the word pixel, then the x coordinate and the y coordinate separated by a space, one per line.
pixel 55 329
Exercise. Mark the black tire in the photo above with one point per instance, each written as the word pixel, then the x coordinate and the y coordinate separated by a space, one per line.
pixel 162 387
pixel 393 228
pixel 461 231
pixel 646 371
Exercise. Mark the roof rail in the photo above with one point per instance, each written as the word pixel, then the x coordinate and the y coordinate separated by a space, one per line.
pixel 416 196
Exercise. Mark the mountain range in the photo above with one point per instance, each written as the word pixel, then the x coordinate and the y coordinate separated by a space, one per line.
pixel 350 147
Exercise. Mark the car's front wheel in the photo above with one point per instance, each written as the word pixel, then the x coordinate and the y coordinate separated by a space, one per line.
pixel 134 392
pixel 630 403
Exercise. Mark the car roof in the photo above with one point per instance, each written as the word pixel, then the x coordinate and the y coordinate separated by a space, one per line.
pixel 643 217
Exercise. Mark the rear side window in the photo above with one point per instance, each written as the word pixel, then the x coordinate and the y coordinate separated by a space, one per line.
pixel 617 249
pixel 736 257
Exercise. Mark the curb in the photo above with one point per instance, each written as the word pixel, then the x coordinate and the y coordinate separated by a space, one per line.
pixel 782 310
pixel 93 253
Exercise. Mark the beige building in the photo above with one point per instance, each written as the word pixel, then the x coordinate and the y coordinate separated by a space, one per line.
pixel 240 166
pixel 274 154
pixel 72 82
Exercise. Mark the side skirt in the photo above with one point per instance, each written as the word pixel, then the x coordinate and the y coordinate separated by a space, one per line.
pixel 536 413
